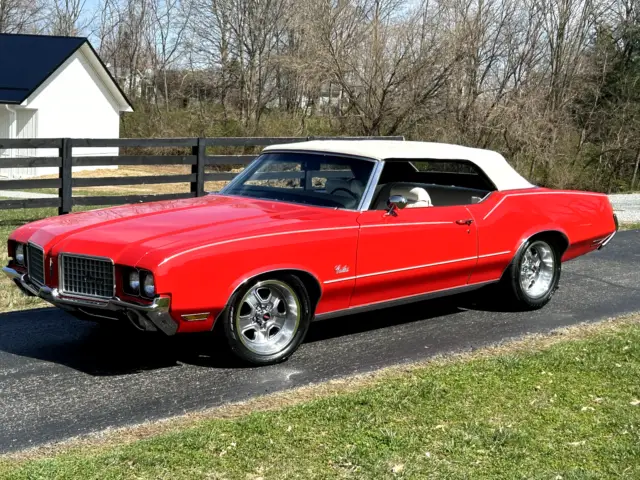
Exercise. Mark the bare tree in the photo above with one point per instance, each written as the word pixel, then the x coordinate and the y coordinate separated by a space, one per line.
pixel 65 17
pixel 551 83
pixel 20 16
pixel 123 35
pixel 169 20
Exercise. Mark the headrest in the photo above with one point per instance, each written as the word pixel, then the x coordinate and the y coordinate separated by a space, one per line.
pixel 414 195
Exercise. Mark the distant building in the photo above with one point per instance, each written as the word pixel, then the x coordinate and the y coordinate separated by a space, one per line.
pixel 54 87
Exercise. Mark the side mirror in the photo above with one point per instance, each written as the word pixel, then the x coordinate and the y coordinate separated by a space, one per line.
pixel 395 202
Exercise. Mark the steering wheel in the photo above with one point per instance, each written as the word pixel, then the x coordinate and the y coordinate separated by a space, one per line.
pixel 353 195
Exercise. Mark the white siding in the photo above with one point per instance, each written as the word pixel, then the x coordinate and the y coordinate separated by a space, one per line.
pixel 74 103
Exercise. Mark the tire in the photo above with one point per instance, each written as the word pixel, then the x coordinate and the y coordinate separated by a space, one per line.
pixel 534 274
pixel 268 319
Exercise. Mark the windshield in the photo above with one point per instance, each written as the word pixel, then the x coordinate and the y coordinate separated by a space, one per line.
pixel 311 179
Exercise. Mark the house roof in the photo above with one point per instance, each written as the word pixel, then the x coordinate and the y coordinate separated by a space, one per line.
pixel 27 61
pixel 492 163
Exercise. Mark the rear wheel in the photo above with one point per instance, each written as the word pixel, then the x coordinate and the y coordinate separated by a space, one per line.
pixel 268 319
pixel 534 274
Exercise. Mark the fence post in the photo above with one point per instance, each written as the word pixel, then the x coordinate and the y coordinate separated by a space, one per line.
pixel 199 150
pixel 64 174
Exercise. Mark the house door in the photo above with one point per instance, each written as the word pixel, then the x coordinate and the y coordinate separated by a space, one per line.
pixel 5 132
pixel 22 124
pixel 26 127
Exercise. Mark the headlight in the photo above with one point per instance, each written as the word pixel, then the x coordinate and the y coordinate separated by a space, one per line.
pixel 134 281
pixel 149 286
pixel 20 253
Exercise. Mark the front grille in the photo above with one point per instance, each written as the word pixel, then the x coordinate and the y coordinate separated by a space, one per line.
pixel 86 276
pixel 35 263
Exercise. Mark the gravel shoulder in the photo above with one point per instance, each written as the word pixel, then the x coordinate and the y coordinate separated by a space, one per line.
pixel 626 206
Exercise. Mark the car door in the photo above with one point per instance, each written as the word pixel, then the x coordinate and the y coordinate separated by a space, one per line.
pixel 419 250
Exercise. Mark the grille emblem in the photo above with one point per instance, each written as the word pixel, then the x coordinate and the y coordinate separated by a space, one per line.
pixel 91 280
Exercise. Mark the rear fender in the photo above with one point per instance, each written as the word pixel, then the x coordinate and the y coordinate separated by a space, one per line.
pixel 534 232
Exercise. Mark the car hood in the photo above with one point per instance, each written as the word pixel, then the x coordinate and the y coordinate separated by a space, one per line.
pixel 125 234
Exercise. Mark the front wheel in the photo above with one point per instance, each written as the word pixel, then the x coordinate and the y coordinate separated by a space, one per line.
pixel 534 275
pixel 268 320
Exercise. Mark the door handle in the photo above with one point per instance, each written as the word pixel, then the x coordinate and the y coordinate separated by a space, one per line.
pixel 468 221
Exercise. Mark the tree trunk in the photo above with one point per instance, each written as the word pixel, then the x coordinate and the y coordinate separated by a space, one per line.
pixel 635 170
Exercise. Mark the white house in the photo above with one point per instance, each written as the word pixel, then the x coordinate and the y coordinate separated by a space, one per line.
pixel 54 87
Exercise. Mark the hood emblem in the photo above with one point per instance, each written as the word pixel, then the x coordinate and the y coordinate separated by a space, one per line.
pixel 341 269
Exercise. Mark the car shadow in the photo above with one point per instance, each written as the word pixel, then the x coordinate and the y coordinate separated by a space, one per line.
pixel 51 335
pixel 382 318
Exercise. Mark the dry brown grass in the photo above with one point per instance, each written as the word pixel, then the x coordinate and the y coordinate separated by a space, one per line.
pixel 142 171
pixel 279 400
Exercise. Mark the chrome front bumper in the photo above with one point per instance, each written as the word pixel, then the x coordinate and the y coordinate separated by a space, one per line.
pixel 147 317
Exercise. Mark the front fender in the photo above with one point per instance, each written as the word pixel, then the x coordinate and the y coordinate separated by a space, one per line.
pixel 246 277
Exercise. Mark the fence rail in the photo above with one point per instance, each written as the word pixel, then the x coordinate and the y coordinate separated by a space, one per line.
pixel 65 161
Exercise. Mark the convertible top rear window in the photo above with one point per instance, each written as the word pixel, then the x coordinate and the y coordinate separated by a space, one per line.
pixel 452 173
pixel 306 178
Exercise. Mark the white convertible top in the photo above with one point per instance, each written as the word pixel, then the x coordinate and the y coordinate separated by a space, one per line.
pixel 491 163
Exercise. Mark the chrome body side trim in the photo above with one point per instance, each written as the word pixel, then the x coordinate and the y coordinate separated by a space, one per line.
pixel 494 254
pixel 344 279
pixel 265 235
pixel 157 312
pixel 403 300
pixel 416 267
pixel 408 224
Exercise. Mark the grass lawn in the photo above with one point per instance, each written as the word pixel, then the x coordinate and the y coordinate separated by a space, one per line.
pixel 133 171
pixel 562 407
pixel 10 297
pixel 630 226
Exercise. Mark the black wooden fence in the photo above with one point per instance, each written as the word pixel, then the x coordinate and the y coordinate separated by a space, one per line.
pixel 198 159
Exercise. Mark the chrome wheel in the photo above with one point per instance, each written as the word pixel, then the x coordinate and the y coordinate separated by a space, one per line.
pixel 268 317
pixel 537 269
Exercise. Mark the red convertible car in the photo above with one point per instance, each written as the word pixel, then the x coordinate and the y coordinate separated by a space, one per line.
pixel 309 231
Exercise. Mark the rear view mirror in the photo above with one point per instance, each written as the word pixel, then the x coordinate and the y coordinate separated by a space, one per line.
pixel 396 202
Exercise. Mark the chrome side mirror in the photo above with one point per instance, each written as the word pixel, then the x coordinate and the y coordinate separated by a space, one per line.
pixel 395 202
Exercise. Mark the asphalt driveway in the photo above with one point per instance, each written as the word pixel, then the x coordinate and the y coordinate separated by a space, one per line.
pixel 60 377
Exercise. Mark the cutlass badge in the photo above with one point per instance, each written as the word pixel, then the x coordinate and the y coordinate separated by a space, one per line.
pixel 341 269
